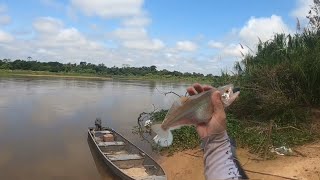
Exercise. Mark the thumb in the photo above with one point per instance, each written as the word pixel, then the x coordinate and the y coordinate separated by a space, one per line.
pixel 218 120
pixel 217 103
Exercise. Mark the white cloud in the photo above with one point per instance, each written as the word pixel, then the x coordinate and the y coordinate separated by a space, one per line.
pixel 263 28
pixel 53 41
pixel 137 38
pixel 5 37
pixel 47 25
pixel 215 44
pixel 133 34
pixel 302 9
pixel 5 19
pixel 130 33
pixel 234 50
pixel 186 46
pixel 140 21
pixel 154 44
pixel 109 8
pixel 248 37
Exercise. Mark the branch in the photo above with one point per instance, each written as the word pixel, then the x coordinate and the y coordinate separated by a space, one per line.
pixel 290 127
pixel 267 174
pixel 170 92
pixel 192 155
pixel 268 140
pixel 139 119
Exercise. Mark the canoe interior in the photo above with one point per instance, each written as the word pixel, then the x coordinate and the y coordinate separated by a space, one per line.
pixel 129 161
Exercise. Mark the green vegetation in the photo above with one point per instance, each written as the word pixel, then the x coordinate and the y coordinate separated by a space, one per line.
pixel 31 67
pixel 86 70
pixel 280 84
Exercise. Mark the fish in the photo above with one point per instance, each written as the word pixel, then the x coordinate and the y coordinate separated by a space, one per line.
pixel 191 110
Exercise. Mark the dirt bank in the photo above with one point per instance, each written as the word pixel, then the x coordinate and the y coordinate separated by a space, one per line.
pixel 188 165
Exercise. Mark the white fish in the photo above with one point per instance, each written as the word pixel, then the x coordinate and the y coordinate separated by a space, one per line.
pixel 190 111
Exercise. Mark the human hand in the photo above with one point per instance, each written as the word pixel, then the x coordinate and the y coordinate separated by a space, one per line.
pixel 217 124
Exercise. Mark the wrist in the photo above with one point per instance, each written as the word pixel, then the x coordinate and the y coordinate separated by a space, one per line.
pixel 214 138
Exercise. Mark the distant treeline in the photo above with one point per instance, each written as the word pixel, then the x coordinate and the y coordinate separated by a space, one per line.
pixel 89 68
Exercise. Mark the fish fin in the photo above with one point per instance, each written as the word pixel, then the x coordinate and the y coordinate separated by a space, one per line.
pixel 176 104
pixel 163 138
pixel 183 99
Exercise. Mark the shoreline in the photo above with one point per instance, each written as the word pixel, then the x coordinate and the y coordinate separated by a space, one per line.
pixel 21 73
pixel 58 76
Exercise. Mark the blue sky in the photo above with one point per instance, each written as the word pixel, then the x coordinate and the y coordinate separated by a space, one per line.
pixel 201 36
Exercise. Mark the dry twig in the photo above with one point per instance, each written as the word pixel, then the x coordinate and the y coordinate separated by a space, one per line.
pixel 267 174
pixel 170 92
pixel 192 154
pixel 268 140
pixel 287 127
pixel 300 153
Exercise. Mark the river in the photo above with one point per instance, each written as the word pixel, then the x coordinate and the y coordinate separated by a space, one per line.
pixel 43 122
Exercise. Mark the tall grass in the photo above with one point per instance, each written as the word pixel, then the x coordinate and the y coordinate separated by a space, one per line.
pixel 281 82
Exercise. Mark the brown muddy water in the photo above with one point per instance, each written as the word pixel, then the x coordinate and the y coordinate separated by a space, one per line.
pixel 43 123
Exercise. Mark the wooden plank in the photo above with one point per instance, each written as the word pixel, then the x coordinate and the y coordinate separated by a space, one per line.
pixel 113 143
pixel 103 132
pixel 124 157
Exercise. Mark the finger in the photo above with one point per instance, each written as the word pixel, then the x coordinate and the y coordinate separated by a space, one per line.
pixel 207 87
pixel 218 107
pixel 198 87
pixel 191 91
pixel 201 124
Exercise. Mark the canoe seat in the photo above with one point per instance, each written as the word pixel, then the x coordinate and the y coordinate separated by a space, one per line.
pixel 153 178
pixel 124 157
pixel 115 152
pixel 112 143
pixel 103 132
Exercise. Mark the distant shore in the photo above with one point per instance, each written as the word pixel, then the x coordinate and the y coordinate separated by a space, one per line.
pixel 47 74
pixel 21 73
pixel 60 76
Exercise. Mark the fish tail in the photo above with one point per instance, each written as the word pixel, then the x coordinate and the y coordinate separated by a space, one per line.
pixel 163 138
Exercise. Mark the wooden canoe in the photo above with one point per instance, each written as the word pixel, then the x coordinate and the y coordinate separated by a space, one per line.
pixel 124 159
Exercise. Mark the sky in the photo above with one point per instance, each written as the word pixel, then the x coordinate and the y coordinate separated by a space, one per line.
pixel 187 36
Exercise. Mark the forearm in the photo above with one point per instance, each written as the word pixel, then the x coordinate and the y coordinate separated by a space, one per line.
pixel 218 159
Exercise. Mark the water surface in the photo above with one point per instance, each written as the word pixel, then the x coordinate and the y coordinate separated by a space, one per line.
pixel 43 123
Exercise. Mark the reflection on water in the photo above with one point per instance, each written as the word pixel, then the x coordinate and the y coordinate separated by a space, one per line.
pixel 43 122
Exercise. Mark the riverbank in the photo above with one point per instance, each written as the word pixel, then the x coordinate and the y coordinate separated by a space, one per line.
pixel 18 73
pixel 46 74
pixel 188 165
